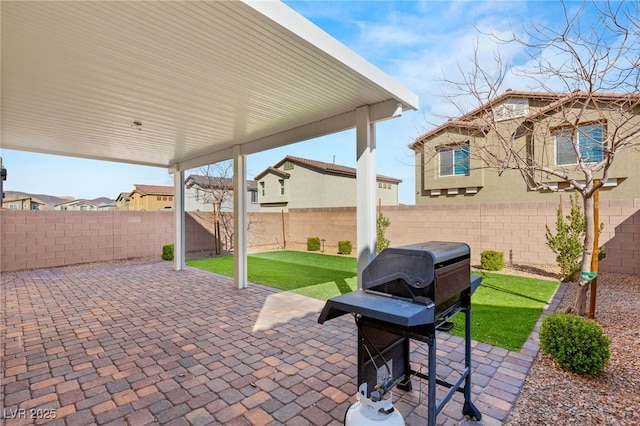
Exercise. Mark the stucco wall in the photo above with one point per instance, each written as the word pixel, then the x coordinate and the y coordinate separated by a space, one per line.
pixel 307 187
pixel 509 186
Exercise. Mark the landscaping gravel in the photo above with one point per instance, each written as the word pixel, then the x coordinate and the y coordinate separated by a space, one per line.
pixel 553 396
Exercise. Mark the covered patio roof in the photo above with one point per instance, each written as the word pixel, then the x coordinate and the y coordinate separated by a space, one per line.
pixel 183 84
pixel 177 84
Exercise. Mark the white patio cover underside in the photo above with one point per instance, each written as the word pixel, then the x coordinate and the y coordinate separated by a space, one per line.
pixel 207 80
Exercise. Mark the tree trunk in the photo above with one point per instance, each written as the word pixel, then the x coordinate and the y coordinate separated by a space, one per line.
pixel 580 304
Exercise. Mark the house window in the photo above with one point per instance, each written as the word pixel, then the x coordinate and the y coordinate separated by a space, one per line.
pixel 159 198
pixel 35 207
pixel 588 140
pixel 281 186
pixel 454 160
pixel 262 188
pixel 13 207
pixel 254 196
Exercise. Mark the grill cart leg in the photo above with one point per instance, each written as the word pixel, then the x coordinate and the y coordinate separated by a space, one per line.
pixel 431 386
pixel 468 409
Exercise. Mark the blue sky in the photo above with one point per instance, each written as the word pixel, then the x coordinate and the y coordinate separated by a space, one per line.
pixel 416 42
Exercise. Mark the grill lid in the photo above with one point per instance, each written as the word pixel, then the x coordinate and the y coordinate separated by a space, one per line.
pixel 415 264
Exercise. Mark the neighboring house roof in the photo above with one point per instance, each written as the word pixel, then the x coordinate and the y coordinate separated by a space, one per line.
pixel 275 171
pixel 77 202
pixel 449 125
pixel 153 190
pixel 556 101
pixel 510 94
pixel 633 98
pixel 32 199
pixel 320 166
pixel 211 182
pixel 107 206
pixel 124 196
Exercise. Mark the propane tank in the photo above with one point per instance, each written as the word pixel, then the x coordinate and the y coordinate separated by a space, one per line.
pixel 365 411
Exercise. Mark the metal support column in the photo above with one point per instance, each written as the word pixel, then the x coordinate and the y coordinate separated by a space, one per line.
pixel 178 212
pixel 239 218
pixel 366 190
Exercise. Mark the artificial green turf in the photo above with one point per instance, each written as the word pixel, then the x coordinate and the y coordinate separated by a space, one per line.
pixel 310 274
pixel 504 308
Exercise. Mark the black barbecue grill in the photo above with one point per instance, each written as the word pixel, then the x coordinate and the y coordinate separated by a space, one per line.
pixel 407 293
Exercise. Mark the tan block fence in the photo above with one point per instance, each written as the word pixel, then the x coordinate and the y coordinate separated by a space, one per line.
pixel 40 239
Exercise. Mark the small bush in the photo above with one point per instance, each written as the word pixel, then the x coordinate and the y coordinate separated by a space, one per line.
pixel 568 241
pixel 492 260
pixel 344 247
pixel 382 223
pixel 167 252
pixel 576 344
pixel 313 244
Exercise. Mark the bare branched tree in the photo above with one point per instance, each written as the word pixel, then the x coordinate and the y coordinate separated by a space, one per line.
pixel 585 78
pixel 214 183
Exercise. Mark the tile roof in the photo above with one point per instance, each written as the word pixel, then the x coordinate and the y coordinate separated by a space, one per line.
pixel 126 196
pixel 77 202
pixel 556 100
pixel 33 200
pixel 153 189
pixel 212 182
pixel 321 166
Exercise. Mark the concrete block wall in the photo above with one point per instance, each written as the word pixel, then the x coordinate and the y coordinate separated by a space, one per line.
pixel 40 239
pixel 621 236
pixel 516 229
pixel 50 238
pixel 331 224
pixel 268 231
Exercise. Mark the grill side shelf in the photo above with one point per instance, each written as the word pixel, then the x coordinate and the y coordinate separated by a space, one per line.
pixel 389 309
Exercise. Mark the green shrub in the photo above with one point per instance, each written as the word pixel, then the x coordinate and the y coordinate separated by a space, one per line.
pixel 568 242
pixel 344 247
pixel 576 344
pixel 492 260
pixel 382 223
pixel 167 252
pixel 313 244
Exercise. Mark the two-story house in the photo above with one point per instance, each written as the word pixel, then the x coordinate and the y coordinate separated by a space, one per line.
pixel 202 192
pixel 465 160
pixel 151 198
pixel 296 182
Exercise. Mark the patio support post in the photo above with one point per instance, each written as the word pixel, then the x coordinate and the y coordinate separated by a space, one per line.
pixel 178 212
pixel 366 189
pixel 239 218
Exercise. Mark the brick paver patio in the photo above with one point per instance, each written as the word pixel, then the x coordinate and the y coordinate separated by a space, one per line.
pixel 144 344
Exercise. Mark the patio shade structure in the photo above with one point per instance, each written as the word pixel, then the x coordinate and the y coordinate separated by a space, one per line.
pixel 183 84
